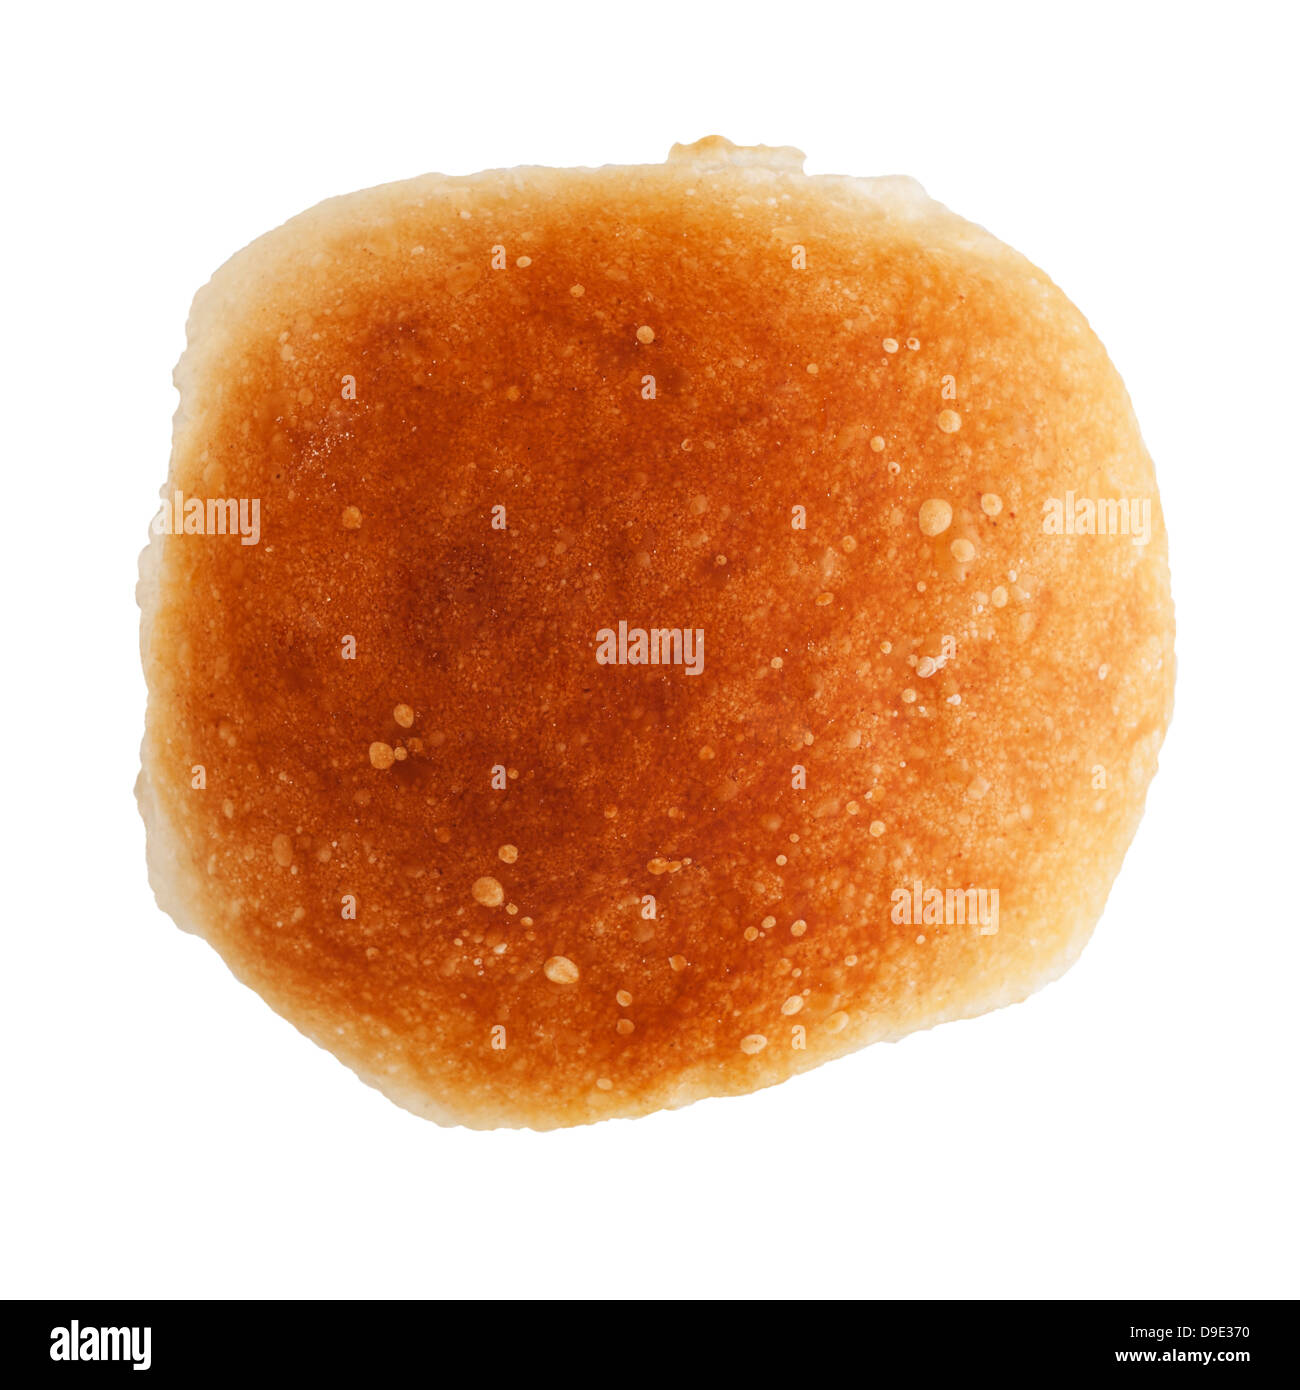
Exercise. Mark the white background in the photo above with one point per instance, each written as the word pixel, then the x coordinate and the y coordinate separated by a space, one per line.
pixel 1130 1131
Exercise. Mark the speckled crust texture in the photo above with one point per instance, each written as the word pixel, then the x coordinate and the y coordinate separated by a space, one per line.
pixel 974 700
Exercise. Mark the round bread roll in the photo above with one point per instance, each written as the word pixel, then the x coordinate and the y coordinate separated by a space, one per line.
pixel 620 636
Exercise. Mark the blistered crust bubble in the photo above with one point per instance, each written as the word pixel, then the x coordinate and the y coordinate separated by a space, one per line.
pixel 402 767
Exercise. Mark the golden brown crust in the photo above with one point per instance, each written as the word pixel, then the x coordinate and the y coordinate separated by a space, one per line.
pixel 976 702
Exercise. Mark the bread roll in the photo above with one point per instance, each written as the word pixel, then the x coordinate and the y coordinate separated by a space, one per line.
pixel 620 636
